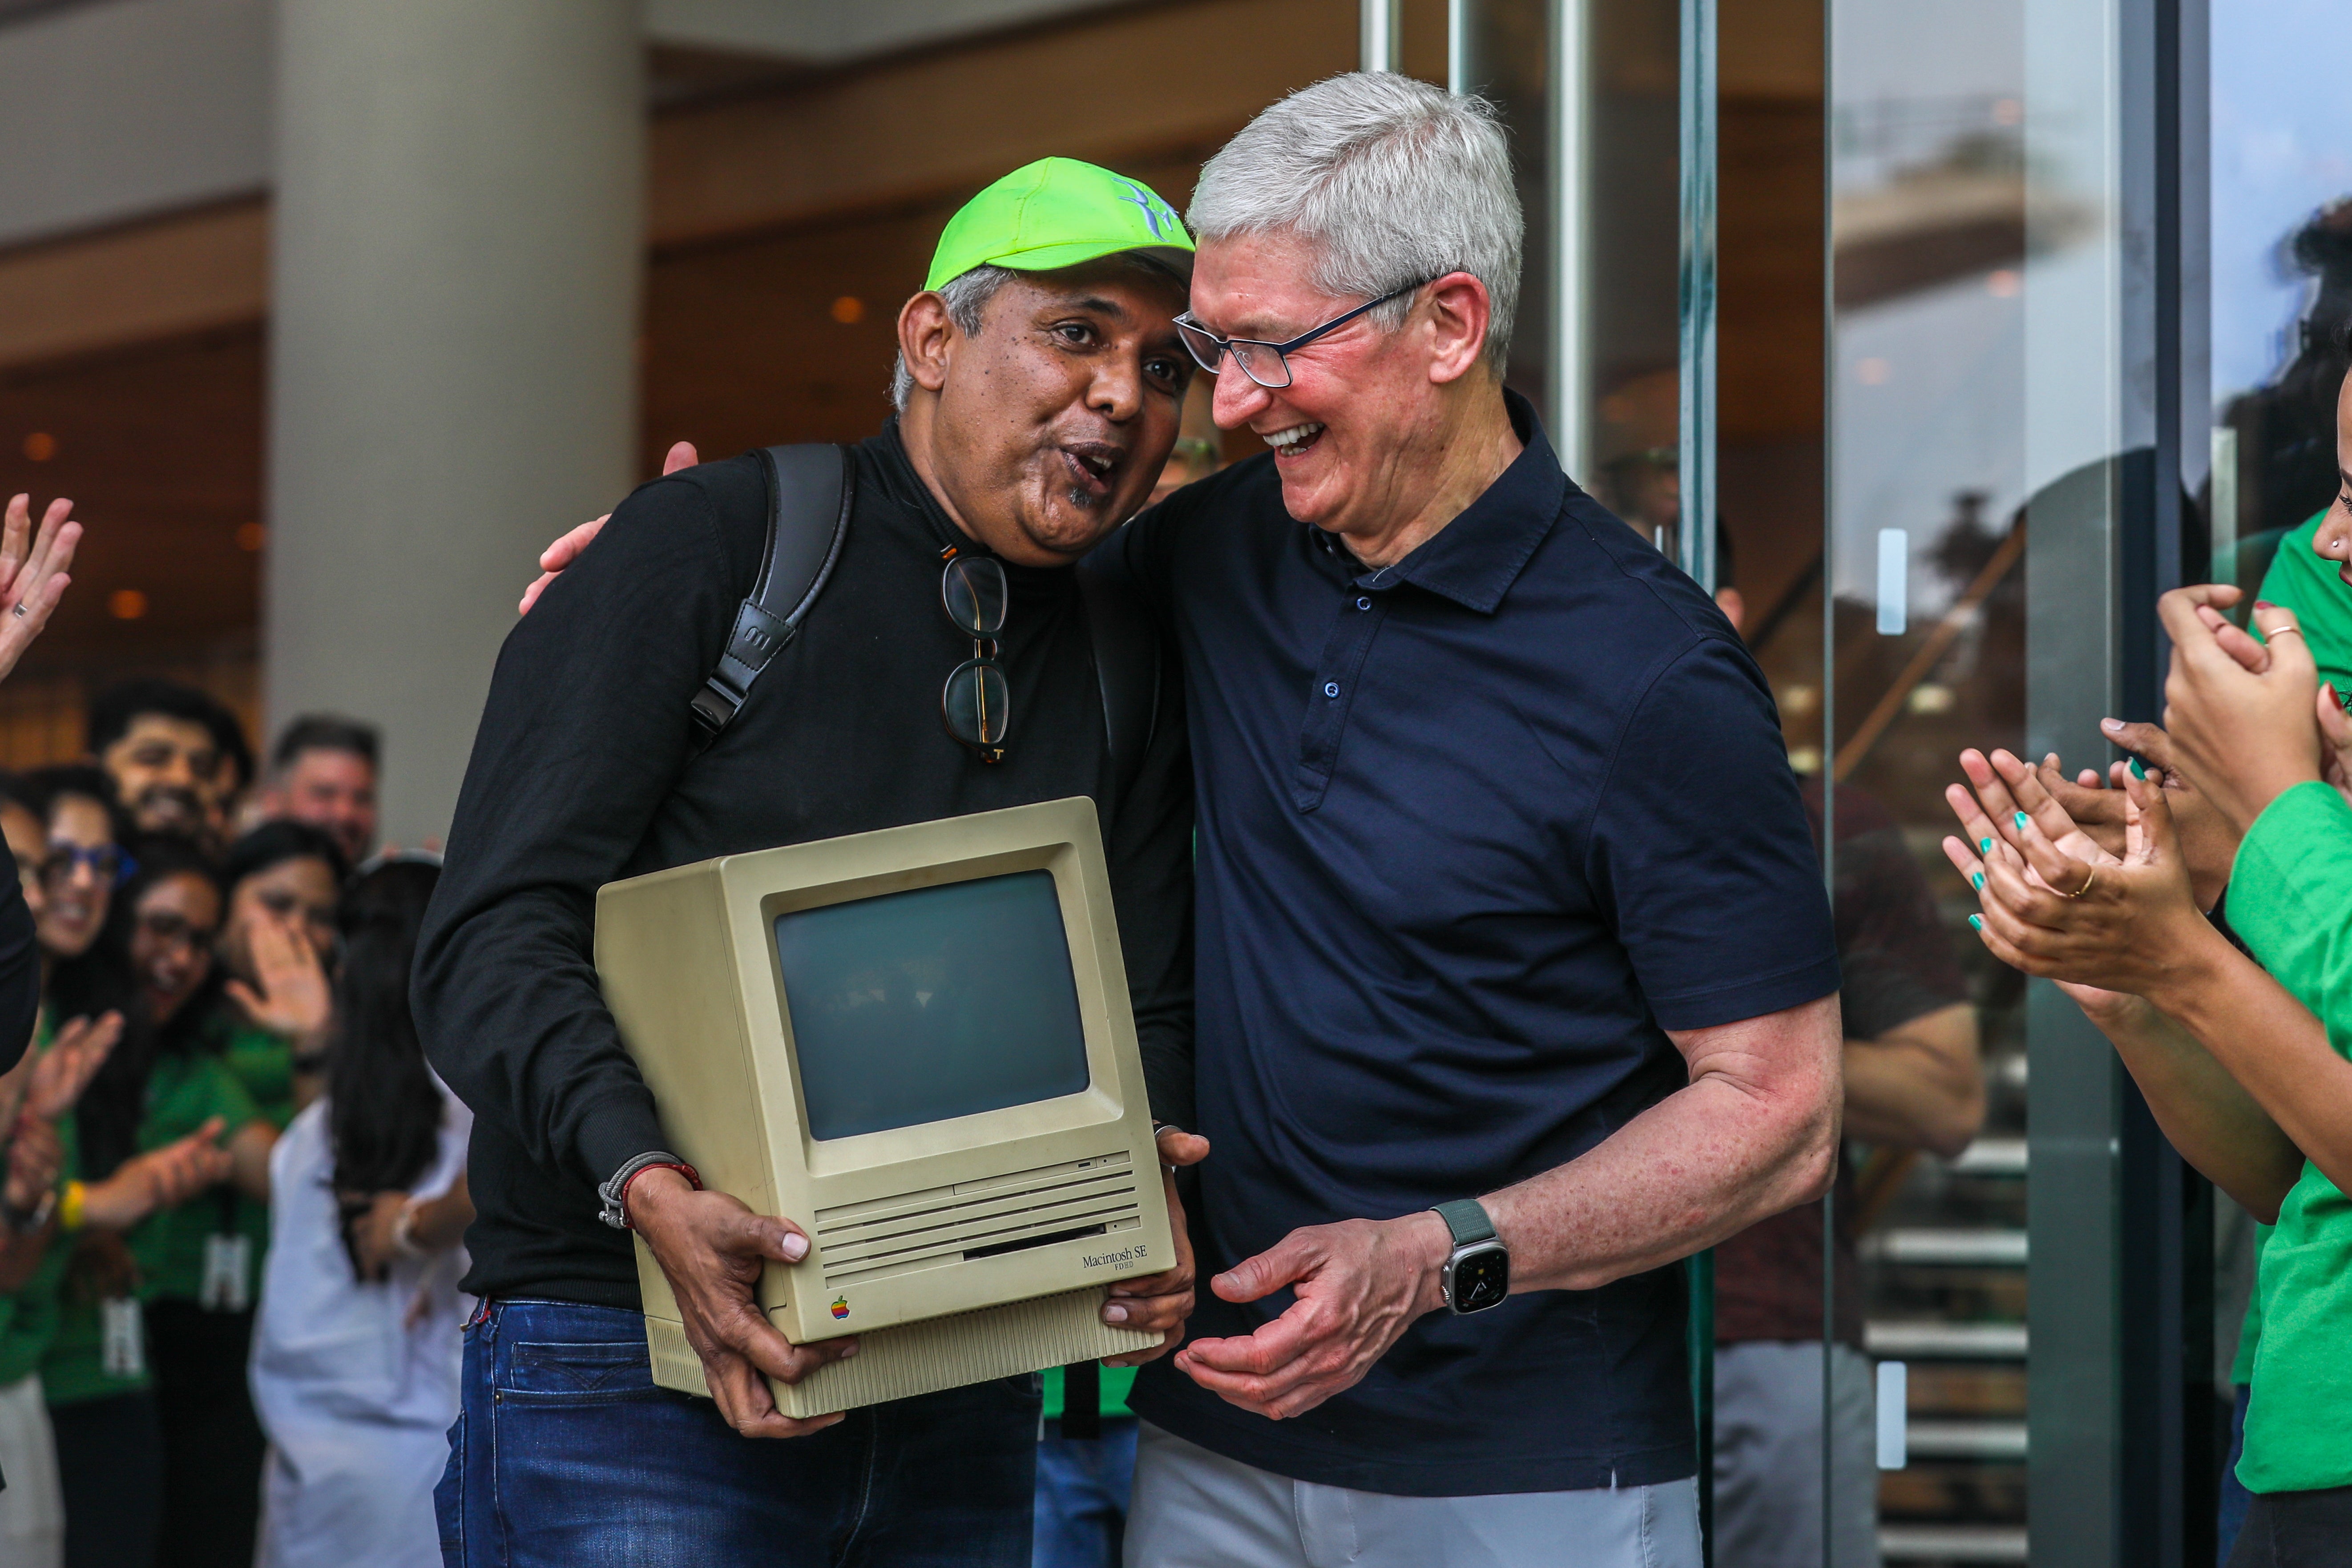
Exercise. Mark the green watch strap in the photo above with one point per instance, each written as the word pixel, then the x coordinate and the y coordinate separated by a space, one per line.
pixel 1466 1218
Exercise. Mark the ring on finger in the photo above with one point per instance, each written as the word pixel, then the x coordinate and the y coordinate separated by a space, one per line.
pixel 2084 888
pixel 2282 632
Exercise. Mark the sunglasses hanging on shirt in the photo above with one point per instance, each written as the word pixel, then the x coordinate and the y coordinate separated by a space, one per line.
pixel 975 703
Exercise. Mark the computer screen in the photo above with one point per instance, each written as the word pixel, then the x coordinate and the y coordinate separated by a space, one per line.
pixel 938 1002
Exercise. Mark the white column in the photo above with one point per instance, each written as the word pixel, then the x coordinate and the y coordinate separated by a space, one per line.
pixel 458 245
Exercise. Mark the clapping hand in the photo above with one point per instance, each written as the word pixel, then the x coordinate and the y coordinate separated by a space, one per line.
pixel 2209 841
pixel 289 997
pixel 2055 903
pixel 60 1073
pixel 159 1179
pixel 32 572
pixel 36 1155
pixel 2241 712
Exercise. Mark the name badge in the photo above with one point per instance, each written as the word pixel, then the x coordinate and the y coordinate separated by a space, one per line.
pixel 226 1266
pixel 123 1342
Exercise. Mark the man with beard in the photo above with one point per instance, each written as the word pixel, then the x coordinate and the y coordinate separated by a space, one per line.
pixel 1039 392
pixel 177 756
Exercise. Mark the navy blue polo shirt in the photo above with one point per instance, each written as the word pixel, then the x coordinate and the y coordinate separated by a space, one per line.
pixel 1475 831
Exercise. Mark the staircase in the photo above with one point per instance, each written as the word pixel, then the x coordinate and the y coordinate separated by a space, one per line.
pixel 1944 1280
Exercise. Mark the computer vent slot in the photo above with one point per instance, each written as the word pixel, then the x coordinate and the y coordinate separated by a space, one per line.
pixel 940 1224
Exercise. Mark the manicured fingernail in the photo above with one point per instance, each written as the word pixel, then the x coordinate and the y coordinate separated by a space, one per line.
pixel 2112 726
pixel 2020 822
pixel 1114 1313
pixel 1978 880
pixel 2265 605
pixel 2137 772
pixel 1985 845
pixel 1976 923
pixel 795 1247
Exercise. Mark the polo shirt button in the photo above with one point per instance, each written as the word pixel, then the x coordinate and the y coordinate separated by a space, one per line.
pixel 1363 604
pixel 1331 689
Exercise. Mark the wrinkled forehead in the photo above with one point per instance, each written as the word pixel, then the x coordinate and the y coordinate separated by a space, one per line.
pixel 1261 285
pixel 1125 291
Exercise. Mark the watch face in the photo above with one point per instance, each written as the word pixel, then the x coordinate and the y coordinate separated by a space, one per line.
pixel 1481 1279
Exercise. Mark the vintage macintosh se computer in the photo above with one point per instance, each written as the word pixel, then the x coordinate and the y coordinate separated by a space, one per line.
pixel 917 1045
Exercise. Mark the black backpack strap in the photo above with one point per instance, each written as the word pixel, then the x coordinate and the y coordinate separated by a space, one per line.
pixel 1126 662
pixel 811 490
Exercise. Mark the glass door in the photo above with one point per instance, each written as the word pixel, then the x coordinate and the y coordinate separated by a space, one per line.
pixel 1925 644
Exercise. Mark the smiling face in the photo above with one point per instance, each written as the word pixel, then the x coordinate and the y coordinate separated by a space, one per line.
pixel 76 889
pixel 172 932
pixel 298 891
pixel 1045 429
pixel 332 790
pixel 2333 540
pixel 168 773
pixel 1362 430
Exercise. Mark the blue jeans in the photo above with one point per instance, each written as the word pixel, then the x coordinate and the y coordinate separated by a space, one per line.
pixel 1083 1485
pixel 565 1454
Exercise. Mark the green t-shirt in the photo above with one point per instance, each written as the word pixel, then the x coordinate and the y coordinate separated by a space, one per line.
pixel 2249 1327
pixel 2306 584
pixel 2291 900
pixel 263 1064
pixel 185 1089
pixel 1116 1381
pixel 73 1360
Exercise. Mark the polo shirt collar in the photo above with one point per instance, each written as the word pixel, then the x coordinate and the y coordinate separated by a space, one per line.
pixel 1474 558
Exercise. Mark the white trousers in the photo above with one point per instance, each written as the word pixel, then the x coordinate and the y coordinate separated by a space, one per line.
pixel 33 1507
pixel 1193 1508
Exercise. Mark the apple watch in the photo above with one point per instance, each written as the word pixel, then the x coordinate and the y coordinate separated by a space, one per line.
pixel 1477 1273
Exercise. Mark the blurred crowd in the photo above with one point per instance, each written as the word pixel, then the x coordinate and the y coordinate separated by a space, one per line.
pixel 234 1188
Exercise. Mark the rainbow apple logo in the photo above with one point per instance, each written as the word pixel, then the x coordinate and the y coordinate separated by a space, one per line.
pixel 841 1306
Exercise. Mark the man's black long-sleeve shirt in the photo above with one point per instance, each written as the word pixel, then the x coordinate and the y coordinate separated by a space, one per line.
pixel 580 775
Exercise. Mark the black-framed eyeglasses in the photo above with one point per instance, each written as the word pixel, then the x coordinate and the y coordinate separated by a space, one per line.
pixel 1264 362
pixel 975 704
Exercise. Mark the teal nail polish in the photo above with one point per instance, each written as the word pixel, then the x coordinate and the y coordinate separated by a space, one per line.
pixel 2137 772
pixel 1985 845
pixel 2020 822
pixel 1979 881
pixel 1976 923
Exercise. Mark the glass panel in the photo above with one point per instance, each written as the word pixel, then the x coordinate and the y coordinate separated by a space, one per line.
pixel 2281 274
pixel 1602 369
pixel 1926 650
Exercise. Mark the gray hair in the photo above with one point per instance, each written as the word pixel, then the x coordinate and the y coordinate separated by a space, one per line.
pixel 1390 181
pixel 966 296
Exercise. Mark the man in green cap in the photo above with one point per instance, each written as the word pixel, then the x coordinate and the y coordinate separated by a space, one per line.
pixel 1039 392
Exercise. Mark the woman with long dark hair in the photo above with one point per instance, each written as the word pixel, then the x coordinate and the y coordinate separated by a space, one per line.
pixel 355 1359
pixel 235 1049
pixel 86 1297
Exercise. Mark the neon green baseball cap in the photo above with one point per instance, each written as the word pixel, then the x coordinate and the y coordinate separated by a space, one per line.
pixel 1057 212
